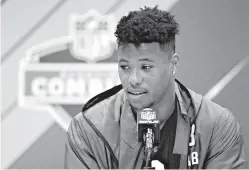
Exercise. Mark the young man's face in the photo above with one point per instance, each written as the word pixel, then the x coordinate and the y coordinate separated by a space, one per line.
pixel 144 73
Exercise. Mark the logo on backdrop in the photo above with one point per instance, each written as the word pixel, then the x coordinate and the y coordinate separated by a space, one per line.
pixel 93 36
pixel 69 70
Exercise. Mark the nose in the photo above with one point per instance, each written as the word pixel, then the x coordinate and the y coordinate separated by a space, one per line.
pixel 135 78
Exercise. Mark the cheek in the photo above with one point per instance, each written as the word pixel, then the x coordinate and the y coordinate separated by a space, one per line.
pixel 123 78
pixel 160 75
pixel 158 81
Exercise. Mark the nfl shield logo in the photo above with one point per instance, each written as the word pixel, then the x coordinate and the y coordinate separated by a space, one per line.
pixel 148 114
pixel 93 36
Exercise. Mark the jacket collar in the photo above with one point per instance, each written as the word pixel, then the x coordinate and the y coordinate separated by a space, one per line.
pixel 128 125
pixel 188 107
pixel 187 99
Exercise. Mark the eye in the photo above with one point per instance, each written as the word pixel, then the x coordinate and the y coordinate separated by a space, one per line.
pixel 146 67
pixel 124 67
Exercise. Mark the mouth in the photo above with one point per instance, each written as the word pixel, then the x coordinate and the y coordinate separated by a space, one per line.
pixel 136 93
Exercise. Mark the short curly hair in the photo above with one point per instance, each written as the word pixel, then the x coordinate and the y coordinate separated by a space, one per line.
pixel 147 25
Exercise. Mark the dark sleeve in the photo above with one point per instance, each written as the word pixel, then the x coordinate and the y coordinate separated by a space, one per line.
pixel 226 150
pixel 78 154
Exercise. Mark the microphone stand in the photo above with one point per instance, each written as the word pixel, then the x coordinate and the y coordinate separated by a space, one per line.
pixel 149 142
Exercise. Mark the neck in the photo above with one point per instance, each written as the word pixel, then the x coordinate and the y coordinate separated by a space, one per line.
pixel 166 106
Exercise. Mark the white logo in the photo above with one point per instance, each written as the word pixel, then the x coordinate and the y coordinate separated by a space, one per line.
pixel 148 114
pixel 93 36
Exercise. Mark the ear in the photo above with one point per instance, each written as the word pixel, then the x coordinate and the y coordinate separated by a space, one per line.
pixel 174 62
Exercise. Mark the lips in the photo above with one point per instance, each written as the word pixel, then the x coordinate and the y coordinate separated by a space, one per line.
pixel 136 92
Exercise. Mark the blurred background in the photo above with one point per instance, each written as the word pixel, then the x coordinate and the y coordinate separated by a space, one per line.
pixel 214 53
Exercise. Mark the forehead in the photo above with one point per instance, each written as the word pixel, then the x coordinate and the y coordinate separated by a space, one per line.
pixel 144 50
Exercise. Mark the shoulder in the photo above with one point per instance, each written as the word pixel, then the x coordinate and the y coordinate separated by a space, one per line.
pixel 216 119
pixel 206 109
pixel 217 125
pixel 108 109
pixel 216 112
pixel 225 129
pixel 210 114
pixel 78 127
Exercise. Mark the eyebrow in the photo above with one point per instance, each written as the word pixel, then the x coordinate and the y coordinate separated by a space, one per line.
pixel 143 59
pixel 146 59
pixel 122 60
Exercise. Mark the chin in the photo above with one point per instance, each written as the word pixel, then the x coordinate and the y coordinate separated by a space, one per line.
pixel 141 106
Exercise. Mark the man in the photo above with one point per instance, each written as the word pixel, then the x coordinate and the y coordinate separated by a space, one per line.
pixel 194 132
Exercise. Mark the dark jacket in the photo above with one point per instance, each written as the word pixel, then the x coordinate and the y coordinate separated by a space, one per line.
pixel 104 135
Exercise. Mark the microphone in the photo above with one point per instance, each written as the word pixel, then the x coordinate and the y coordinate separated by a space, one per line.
pixel 148 132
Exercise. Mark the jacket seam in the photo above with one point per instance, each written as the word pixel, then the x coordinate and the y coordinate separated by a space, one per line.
pixel 215 123
pixel 74 150
pixel 210 148
pixel 103 139
pixel 85 139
